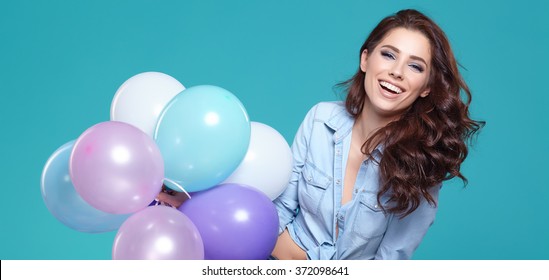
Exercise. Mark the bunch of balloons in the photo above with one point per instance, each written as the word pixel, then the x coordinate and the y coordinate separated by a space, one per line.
pixel 197 140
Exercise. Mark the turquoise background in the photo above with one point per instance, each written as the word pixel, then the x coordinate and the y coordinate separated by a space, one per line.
pixel 62 61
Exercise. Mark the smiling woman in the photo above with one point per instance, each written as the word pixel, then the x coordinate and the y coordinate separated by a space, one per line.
pixel 367 172
pixel 402 53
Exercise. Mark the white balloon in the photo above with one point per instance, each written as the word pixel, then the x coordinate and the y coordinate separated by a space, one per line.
pixel 140 99
pixel 267 165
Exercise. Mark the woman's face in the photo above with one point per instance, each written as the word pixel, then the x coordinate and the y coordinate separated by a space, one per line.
pixel 397 72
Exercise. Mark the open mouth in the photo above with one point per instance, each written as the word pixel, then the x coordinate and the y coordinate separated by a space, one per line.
pixel 390 87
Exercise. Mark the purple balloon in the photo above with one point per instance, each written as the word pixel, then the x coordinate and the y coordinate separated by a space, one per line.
pixel 236 222
pixel 158 233
pixel 116 167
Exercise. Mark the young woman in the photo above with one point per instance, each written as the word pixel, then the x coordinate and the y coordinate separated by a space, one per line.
pixel 367 172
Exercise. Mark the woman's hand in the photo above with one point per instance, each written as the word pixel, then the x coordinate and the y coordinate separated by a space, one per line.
pixel 287 249
pixel 174 199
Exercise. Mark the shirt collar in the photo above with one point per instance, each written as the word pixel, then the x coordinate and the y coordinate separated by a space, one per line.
pixel 341 123
pixel 378 152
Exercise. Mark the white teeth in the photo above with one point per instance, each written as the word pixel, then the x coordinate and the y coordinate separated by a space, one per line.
pixel 391 87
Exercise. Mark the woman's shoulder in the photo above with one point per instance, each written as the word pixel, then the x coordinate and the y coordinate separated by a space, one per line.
pixel 325 110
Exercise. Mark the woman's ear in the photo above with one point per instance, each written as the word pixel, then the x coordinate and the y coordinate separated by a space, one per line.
pixel 363 60
pixel 425 93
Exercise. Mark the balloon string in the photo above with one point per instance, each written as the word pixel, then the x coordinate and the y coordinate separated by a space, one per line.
pixel 179 187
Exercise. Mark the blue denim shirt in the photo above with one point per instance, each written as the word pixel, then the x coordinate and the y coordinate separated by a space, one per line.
pixel 311 209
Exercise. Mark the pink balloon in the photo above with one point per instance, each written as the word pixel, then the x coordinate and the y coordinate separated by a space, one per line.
pixel 116 167
pixel 158 233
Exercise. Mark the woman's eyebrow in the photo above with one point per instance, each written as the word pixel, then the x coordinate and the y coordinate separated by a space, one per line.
pixel 395 49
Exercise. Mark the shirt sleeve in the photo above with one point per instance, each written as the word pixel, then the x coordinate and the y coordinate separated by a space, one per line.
pixel 287 204
pixel 403 236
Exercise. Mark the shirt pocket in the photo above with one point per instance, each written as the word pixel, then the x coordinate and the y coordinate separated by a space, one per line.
pixel 316 183
pixel 370 221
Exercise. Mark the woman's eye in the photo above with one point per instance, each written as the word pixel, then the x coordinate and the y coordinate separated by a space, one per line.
pixel 387 54
pixel 416 68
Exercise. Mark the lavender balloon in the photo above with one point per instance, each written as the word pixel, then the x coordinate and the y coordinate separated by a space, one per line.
pixel 116 167
pixel 236 222
pixel 158 233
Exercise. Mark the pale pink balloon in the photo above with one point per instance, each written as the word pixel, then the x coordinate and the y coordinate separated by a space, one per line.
pixel 116 167
pixel 158 233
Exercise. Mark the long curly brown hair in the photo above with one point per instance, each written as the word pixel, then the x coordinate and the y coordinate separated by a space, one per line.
pixel 428 143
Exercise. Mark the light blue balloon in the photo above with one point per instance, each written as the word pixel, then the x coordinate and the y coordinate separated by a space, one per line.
pixel 65 203
pixel 203 135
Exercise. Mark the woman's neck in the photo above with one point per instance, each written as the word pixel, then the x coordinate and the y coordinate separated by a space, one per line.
pixel 367 123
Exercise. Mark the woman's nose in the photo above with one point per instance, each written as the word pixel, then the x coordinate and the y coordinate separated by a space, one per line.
pixel 396 71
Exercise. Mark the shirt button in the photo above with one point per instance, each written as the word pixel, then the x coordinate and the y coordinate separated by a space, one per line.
pixel 338 152
pixel 356 191
pixel 375 206
pixel 309 179
pixel 338 181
